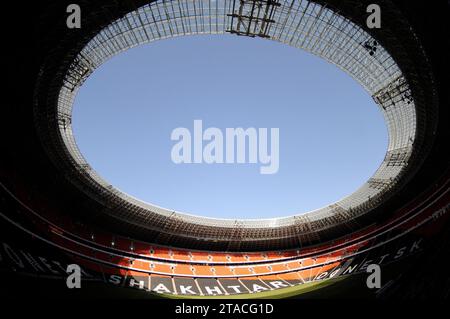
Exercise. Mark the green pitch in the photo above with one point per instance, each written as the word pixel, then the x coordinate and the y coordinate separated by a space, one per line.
pixel 272 294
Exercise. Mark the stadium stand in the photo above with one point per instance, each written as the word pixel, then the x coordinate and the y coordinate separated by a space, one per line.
pixel 55 210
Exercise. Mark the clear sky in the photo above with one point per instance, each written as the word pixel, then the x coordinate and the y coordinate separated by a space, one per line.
pixel 332 135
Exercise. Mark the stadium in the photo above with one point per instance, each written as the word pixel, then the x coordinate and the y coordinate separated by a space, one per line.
pixel 56 210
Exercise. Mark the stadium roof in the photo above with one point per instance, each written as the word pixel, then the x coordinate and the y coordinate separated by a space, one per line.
pixel 388 63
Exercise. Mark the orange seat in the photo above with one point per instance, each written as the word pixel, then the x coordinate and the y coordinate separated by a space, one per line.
pixel 261 270
pixel 222 270
pixel 181 255
pixel 203 270
pixel 162 268
pixel 219 257
pixel 307 262
pixel 278 267
pixel 199 256
pixel 237 258
pixel 321 259
pixel 142 265
pixel 161 253
pixel 183 269
pixel 289 276
pixel 242 271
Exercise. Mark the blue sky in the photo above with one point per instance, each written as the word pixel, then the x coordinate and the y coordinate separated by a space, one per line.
pixel 332 135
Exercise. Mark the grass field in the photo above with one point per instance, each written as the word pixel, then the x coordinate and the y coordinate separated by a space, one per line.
pixel 272 294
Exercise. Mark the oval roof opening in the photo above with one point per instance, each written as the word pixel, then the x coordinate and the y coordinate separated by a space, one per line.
pixel 137 114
